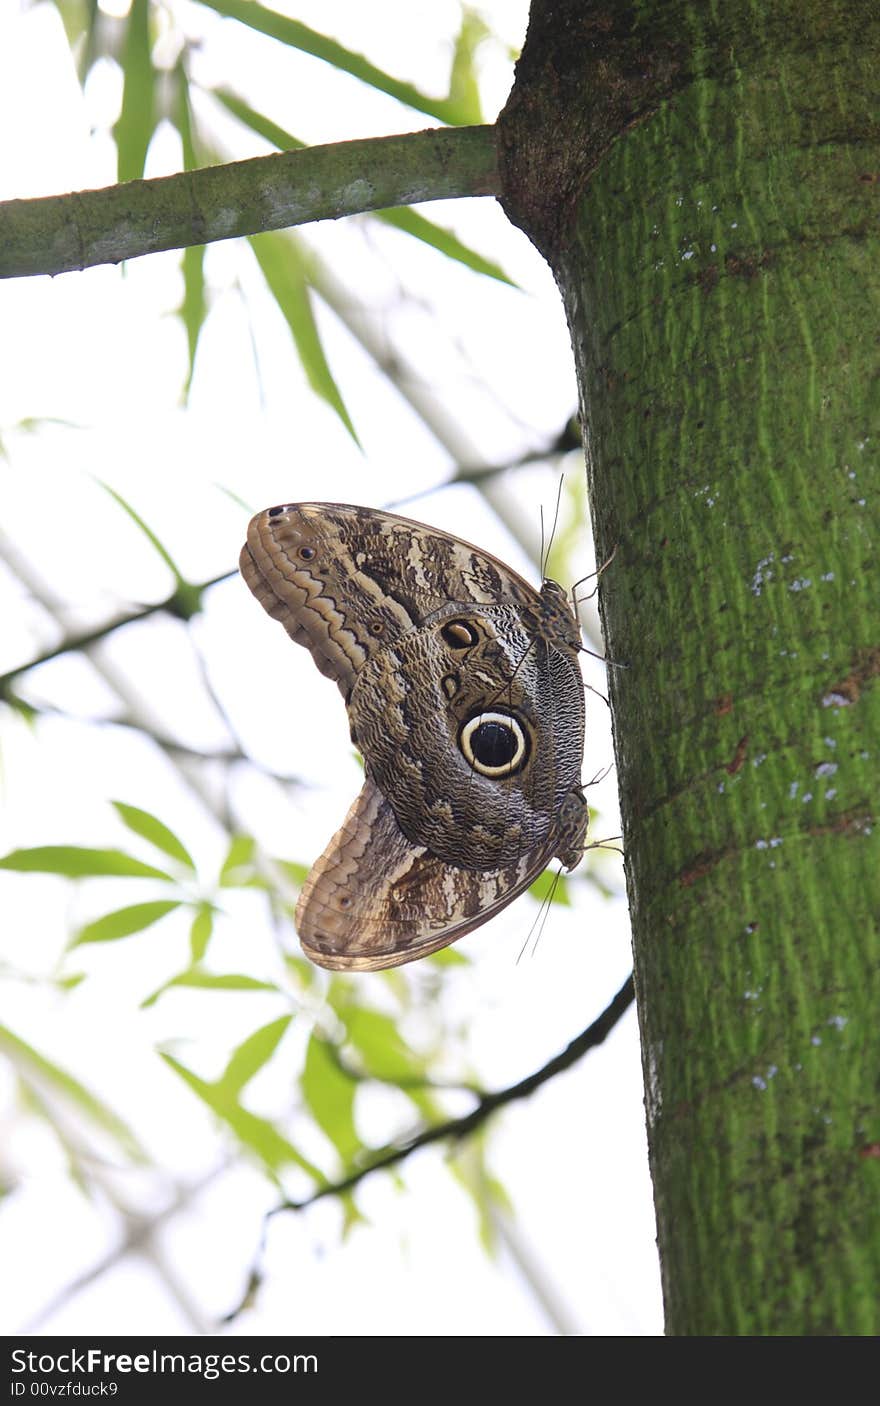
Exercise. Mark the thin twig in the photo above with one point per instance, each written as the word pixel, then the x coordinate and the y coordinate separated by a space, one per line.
pixel 57 233
pixel 452 1128
pixel 90 637
pixel 228 756
pixel 487 1104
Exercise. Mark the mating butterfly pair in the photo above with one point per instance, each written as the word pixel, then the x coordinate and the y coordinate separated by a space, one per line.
pixel 465 699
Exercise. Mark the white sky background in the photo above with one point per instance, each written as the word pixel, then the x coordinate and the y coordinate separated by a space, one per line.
pixel 102 352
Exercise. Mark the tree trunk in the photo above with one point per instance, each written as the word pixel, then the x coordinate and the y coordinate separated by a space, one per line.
pixel 705 183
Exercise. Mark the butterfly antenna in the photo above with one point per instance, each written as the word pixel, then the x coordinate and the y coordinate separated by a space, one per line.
pixel 541 917
pixel 545 557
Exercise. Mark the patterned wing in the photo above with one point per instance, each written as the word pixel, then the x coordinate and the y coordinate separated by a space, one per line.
pixel 465 697
pixel 345 581
pixel 375 900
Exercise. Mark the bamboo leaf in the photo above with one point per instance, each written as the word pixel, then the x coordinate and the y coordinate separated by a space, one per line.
pixel 407 220
pixel 253 1132
pixel 249 1057
pixel 468 1169
pixel 238 866
pixel 296 873
pixel 32 1101
pixel 30 1062
pixel 77 16
pixel 200 933
pixel 449 957
pixel 281 263
pixel 329 1095
pixel 124 922
pixel 69 983
pixel 352 1215
pixel 147 531
pixel 309 41
pixel 86 28
pixel 137 118
pixel 257 121
pixel 416 225
pixel 142 823
pixel 464 91
pixel 209 981
pixel 76 862
pixel 194 304
pixel 380 1045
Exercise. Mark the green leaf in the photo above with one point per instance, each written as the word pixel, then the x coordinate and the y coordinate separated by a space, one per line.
pixel 76 862
pixel 31 1101
pixel 416 225
pixel 253 1132
pixel 249 1057
pixel 351 1215
pixel 302 972
pixel 283 268
pixel 200 932
pixel 464 91
pixel 329 1095
pixel 147 531
pixel 193 308
pixel 262 125
pixel 404 218
pixel 449 957
pixel 468 1168
pixel 296 873
pixel 78 18
pixel 24 710
pixel 238 866
pixel 124 921
pixel 551 887
pixel 70 983
pixel 154 831
pixel 137 118
pixel 30 1062
pixel 209 981
pixel 300 36
pixel 380 1045
pixel 226 981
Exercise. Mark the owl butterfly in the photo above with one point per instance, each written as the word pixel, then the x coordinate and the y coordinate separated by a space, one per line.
pixel 465 699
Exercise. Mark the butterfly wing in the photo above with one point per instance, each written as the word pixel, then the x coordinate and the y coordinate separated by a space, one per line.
pixel 427 637
pixel 375 900
pixel 346 581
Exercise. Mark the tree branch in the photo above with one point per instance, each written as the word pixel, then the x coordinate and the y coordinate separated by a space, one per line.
pixel 100 632
pixel 58 233
pixel 487 1104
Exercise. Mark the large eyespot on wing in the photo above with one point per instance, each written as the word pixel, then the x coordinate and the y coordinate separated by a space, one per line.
pixel 375 900
pixel 494 743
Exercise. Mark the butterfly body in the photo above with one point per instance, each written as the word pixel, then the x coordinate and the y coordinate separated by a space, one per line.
pixel 465 699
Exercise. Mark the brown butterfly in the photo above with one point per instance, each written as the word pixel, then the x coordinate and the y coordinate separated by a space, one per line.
pixel 465 699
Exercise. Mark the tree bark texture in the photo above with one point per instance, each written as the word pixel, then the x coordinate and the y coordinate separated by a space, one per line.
pixel 705 183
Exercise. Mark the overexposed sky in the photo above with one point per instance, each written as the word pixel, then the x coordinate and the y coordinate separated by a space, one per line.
pixel 98 360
